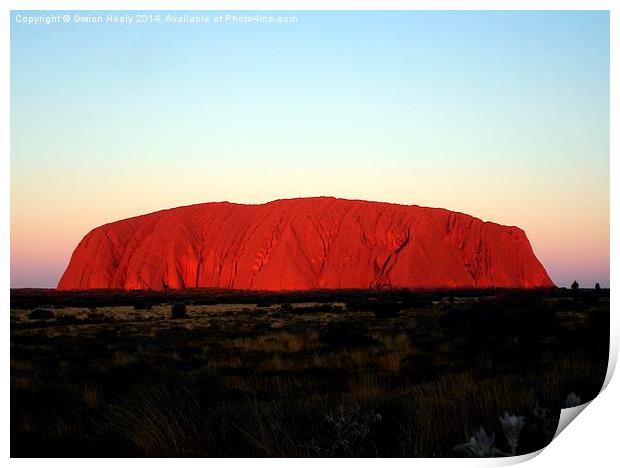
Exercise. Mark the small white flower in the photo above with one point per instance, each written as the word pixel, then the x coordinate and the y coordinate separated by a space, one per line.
pixel 572 400
pixel 482 440
pixel 480 445
pixel 512 425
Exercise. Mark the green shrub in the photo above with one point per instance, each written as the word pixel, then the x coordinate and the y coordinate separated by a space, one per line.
pixel 178 310
pixel 384 310
pixel 507 327
pixel 41 314
pixel 341 332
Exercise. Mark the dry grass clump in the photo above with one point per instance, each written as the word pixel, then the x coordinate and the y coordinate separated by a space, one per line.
pixel 92 396
pixel 282 342
pixel 22 383
pixel 164 423
pixel 123 358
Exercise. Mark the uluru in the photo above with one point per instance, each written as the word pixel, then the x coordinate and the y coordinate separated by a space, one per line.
pixel 304 244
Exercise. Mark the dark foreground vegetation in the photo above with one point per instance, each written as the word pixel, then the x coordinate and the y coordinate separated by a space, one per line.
pixel 348 373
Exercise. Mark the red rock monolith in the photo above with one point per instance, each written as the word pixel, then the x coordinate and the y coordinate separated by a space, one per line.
pixel 302 244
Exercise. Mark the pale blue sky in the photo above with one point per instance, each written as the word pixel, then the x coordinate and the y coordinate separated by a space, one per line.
pixel 502 115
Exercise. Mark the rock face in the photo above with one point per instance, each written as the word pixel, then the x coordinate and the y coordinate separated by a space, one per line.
pixel 302 244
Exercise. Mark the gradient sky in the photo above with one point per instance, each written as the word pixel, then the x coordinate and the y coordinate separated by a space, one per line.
pixel 501 115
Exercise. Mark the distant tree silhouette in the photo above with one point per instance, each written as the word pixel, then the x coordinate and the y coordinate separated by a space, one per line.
pixel 574 286
pixel 597 292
